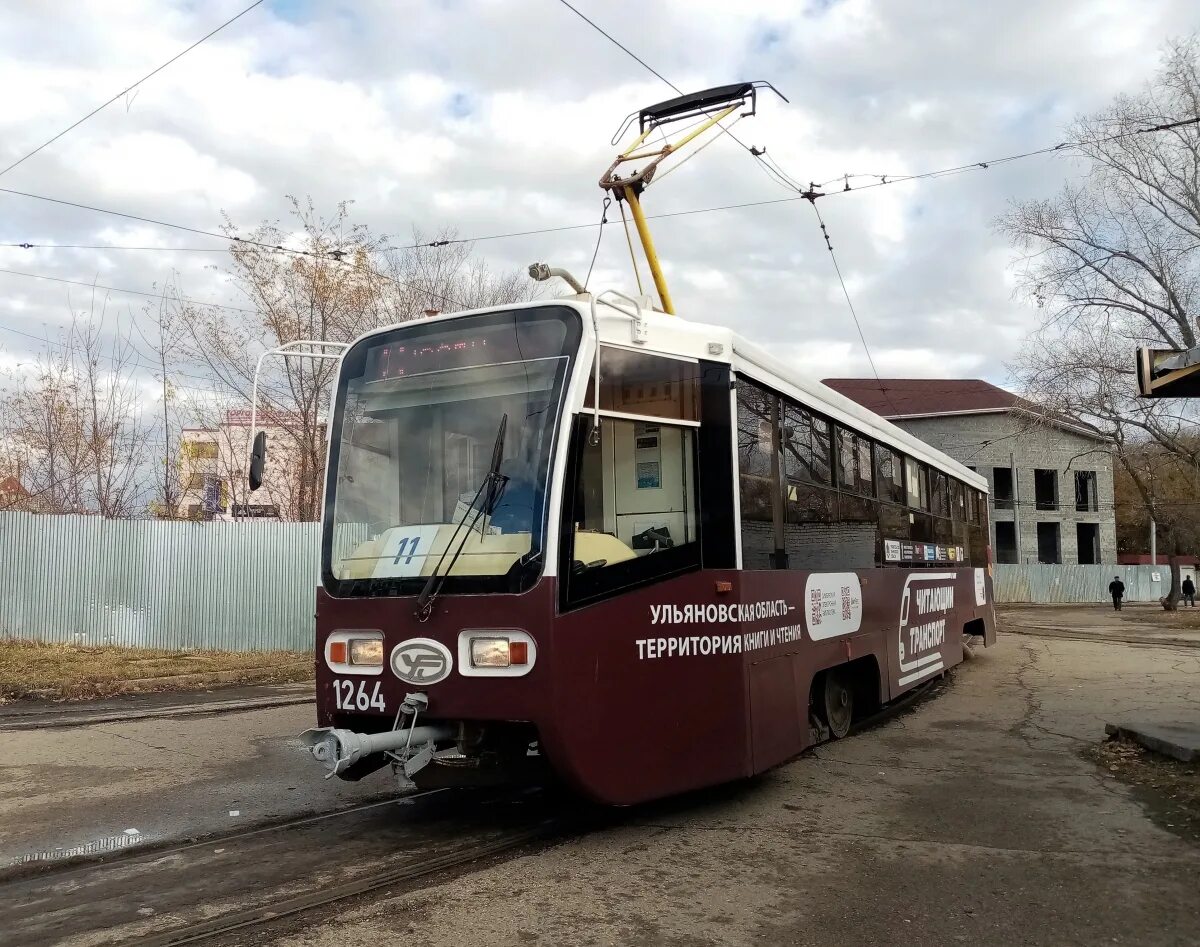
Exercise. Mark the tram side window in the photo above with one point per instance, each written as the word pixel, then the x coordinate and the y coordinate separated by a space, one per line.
pixel 889 474
pixel 641 383
pixel 759 491
pixel 978 531
pixel 894 524
pixel 811 517
pixel 939 505
pixel 632 507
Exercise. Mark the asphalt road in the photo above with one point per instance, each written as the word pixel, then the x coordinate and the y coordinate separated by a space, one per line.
pixel 94 788
pixel 972 819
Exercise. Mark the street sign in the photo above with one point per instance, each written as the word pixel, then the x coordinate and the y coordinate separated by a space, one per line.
pixel 1168 373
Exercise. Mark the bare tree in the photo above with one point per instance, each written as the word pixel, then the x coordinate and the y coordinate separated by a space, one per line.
pixel 163 336
pixel 1114 263
pixel 341 281
pixel 73 426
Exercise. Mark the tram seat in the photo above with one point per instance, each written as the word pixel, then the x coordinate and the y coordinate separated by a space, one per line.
pixel 361 564
pixel 592 546
pixel 499 552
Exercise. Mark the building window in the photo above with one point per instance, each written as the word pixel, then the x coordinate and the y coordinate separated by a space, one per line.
pixel 1006 542
pixel 1049 543
pixel 1002 488
pixel 1045 489
pixel 200 450
pixel 1087 538
pixel 195 482
pixel 1086 500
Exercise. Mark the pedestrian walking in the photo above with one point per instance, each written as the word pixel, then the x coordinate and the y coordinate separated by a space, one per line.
pixel 1189 591
pixel 1116 588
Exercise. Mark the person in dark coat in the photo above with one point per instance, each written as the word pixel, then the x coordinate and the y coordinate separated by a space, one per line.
pixel 1189 591
pixel 1116 588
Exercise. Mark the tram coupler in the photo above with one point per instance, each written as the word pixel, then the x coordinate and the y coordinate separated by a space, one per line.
pixel 338 749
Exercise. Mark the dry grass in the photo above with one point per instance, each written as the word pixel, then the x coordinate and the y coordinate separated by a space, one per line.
pixel 30 669
pixel 1169 789
pixel 1185 617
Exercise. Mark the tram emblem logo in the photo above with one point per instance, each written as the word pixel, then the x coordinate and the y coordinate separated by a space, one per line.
pixel 421 661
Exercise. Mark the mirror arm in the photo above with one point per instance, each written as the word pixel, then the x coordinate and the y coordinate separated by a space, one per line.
pixel 292 349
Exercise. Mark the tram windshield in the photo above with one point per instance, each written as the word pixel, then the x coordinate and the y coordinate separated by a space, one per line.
pixel 416 422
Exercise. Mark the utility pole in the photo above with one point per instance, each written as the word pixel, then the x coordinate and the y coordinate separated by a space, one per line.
pixel 1153 523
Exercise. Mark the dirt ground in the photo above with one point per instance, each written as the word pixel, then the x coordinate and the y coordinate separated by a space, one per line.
pixel 1139 623
pixel 1169 788
pixel 974 819
pixel 30 669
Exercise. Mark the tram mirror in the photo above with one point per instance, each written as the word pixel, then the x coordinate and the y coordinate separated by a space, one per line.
pixel 258 458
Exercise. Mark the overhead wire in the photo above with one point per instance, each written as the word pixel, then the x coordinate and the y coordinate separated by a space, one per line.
pixel 135 363
pixel 110 246
pixel 129 292
pixel 986 164
pixel 645 65
pixel 772 169
pixel 600 236
pixel 335 255
pixel 846 292
pixel 770 166
pixel 130 88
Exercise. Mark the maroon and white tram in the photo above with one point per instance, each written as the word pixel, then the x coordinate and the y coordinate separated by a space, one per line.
pixel 642 552
pixel 633 548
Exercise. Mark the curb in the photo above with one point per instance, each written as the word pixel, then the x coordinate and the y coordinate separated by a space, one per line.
pixel 59 719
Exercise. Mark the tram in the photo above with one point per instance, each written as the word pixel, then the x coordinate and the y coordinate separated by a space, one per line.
pixel 587 536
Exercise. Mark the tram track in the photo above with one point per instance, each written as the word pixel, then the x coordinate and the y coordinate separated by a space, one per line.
pixel 204 891
pixel 222 889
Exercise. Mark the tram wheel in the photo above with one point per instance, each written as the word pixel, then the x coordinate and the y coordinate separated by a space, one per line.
pixel 837 704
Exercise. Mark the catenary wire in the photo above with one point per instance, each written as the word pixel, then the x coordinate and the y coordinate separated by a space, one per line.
pixel 645 65
pixel 335 255
pixel 109 246
pixel 845 292
pixel 984 165
pixel 148 75
pixel 130 292
pixel 744 205
pixel 599 236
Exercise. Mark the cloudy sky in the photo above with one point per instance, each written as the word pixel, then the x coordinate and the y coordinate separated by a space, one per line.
pixel 492 116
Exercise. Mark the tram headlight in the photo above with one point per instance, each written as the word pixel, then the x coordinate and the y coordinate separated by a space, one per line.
pixel 491 653
pixel 354 651
pixel 366 652
pixel 495 652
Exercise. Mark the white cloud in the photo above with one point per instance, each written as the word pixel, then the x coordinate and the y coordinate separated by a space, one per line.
pixel 495 116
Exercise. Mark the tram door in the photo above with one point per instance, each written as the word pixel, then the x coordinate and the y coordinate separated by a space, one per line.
pixel 647 477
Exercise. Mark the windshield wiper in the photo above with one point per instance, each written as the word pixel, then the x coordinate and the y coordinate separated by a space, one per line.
pixel 493 485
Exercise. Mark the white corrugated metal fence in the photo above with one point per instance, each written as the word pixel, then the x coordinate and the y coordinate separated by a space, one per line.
pixel 147 583
pixel 1060 585
pixel 251 585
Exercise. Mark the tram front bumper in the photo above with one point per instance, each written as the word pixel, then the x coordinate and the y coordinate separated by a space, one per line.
pixel 338 749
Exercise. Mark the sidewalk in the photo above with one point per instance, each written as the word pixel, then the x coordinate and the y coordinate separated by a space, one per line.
pixel 85 788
